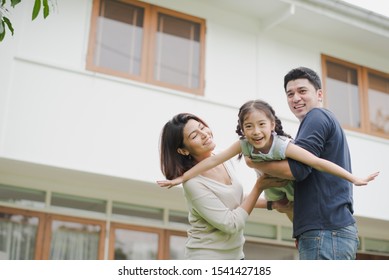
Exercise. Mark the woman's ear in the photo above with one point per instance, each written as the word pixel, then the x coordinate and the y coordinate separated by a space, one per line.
pixel 182 151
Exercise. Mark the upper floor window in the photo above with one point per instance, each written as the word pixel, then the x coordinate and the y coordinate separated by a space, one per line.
pixel 358 96
pixel 147 43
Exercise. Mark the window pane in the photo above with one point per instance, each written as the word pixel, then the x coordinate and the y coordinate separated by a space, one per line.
pixel 378 103
pixel 375 245
pixel 177 247
pixel 178 218
pixel 177 53
pixel 260 230
pixel 17 236
pixel 119 37
pixel 77 202
pixel 342 94
pixel 130 212
pixel 135 245
pixel 22 196
pixel 286 234
pixel 256 251
pixel 74 241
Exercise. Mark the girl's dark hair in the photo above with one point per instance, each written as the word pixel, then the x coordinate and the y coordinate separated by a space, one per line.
pixel 172 163
pixel 258 105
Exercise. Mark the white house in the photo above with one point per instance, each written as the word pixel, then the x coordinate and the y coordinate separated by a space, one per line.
pixel 85 92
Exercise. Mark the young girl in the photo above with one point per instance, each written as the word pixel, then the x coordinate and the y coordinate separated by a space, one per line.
pixel 262 139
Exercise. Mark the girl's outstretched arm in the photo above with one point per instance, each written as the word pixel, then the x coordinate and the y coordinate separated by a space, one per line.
pixel 206 164
pixel 297 153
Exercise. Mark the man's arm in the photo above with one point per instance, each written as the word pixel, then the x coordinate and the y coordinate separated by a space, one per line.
pixel 275 168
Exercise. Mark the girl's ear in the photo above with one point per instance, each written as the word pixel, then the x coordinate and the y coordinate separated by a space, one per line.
pixel 182 151
pixel 273 126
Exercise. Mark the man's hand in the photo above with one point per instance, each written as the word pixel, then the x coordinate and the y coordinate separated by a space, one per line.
pixel 284 206
pixel 249 162
pixel 268 181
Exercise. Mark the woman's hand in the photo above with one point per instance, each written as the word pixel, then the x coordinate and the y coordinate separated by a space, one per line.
pixel 170 183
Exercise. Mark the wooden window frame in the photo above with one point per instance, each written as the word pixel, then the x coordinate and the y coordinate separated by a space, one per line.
pixel 150 29
pixel 366 72
pixel 169 233
pixel 49 218
pixel 40 230
pixel 43 235
pixel 114 226
pixel 363 92
pixel 163 238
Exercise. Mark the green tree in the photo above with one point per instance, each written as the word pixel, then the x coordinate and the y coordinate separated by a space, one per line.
pixel 5 22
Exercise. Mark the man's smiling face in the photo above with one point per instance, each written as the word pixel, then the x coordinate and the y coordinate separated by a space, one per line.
pixel 302 97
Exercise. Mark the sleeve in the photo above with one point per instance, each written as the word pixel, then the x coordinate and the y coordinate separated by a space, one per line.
pixel 312 137
pixel 213 210
pixel 282 143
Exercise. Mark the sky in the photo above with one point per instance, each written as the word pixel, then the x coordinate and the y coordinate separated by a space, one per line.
pixel 377 6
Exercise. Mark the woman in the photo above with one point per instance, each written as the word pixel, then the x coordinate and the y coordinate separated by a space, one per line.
pixel 217 207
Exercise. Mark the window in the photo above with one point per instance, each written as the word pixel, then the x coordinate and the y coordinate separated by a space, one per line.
pixel 357 95
pixel 143 42
pixel 65 201
pixel 22 196
pixel 70 238
pixel 258 251
pixel 134 243
pixel 378 93
pixel 29 235
pixel 136 213
pixel 20 234
pixel 129 242
pixel 176 241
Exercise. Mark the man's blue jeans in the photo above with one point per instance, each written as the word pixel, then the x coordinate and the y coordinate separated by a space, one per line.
pixel 339 244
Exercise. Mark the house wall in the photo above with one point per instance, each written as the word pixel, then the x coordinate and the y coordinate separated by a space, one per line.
pixel 56 113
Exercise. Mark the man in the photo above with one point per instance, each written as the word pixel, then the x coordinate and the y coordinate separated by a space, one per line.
pixel 323 225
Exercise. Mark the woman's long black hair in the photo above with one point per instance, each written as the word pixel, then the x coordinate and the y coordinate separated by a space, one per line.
pixel 172 163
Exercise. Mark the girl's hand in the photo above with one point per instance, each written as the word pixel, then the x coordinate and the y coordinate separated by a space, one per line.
pixel 170 183
pixel 364 182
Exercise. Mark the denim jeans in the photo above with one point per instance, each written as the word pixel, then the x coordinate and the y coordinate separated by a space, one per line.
pixel 338 244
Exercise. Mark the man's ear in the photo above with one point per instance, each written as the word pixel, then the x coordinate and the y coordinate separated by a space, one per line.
pixel 320 94
pixel 182 151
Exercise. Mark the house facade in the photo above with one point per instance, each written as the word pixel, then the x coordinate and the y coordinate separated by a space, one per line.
pixel 85 93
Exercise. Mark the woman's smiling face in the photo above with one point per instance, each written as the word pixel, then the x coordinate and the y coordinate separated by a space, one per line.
pixel 198 140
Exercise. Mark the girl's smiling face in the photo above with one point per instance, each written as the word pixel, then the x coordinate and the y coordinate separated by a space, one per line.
pixel 257 128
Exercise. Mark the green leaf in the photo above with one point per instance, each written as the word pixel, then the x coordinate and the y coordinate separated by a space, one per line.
pixel 2 34
pixel 14 3
pixel 9 24
pixel 37 8
pixel 46 8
